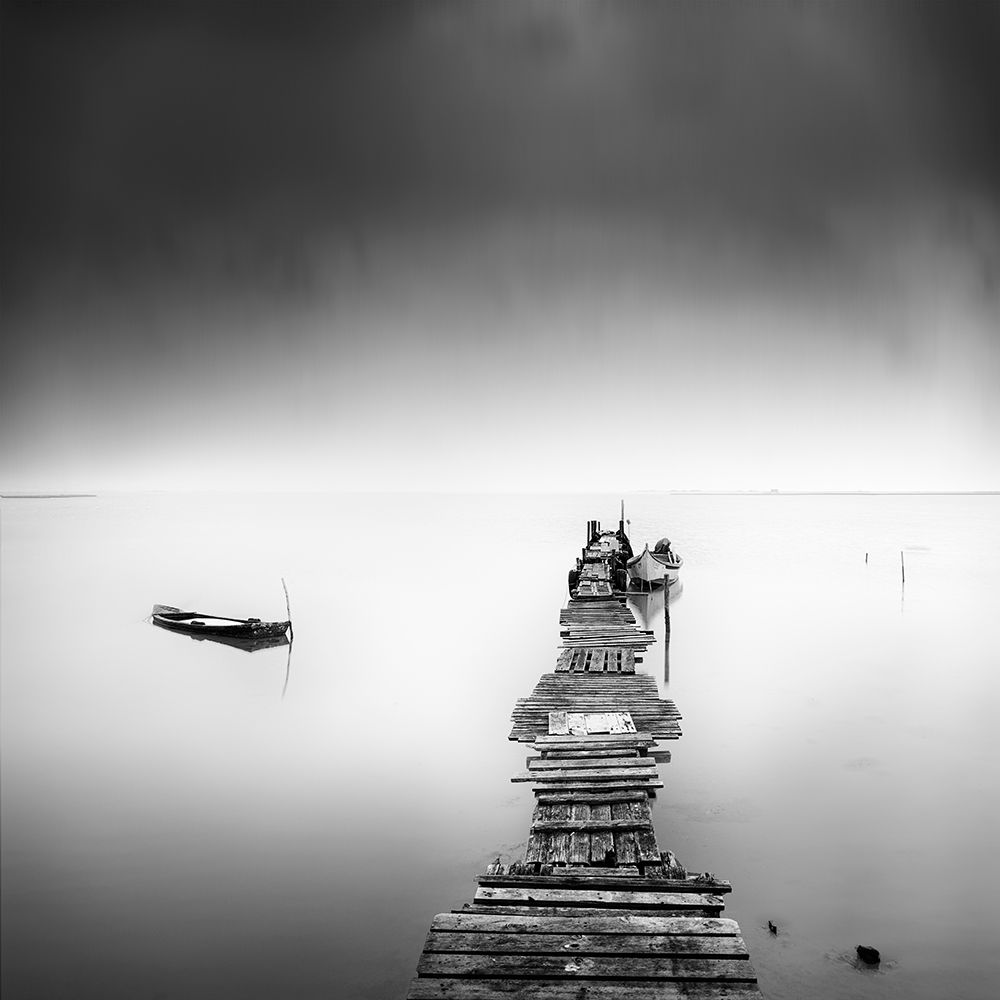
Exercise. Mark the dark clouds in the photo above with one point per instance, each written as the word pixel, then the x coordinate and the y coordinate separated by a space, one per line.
pixel 387 233
pixel 229 141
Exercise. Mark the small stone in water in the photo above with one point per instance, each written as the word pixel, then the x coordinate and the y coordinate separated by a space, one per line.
pixel 869 956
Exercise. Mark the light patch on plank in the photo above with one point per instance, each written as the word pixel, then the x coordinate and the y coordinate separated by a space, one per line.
pixel 589 723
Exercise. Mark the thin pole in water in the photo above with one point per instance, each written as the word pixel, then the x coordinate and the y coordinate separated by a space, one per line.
pixel 288 609
pixel 866 558
pixel 291 639
pixel 902 566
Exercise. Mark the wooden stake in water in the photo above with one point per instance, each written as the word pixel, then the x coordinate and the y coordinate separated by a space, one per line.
pixel 902 566
pixel 288 609
pixel 291 639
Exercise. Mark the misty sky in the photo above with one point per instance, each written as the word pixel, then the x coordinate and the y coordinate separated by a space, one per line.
pixel 474 245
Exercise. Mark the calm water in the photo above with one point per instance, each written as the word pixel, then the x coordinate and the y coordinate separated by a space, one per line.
pixel 172 827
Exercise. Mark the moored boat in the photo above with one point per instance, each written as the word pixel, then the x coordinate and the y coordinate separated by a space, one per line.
pixel 197 623
pixel 655 568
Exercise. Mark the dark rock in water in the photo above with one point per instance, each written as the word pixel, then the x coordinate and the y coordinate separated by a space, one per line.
pixel 772 927
pixel 869 956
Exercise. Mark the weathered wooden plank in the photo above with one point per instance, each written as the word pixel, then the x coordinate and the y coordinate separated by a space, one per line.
pixel 607 879
pixel 593 685
pixel 624 923
pixel 568 989
pixel 559 816
pixel 609 612
pixel 593 826
pixel 604 740
pixel 602 842
pixel 526 909
pixel 539 716
pixel 579 847
pixel 597 788
pixel 589 774
pixel 621 871
pixel 585 967
pixel 594 706
pixel 595 699
pixel 527 730
pixel 579 841
pixel 576 763
pixel 608 616
pixel 598 702
pixel 583 684
pixel 600 625
pixel 629 813
pixel 583 943
pixel 645 699
pixel 601 702
pixel 539 896
pixel 631 684
pixel 534 851
pixel 631 644
pixel 646 846
pixel 544 795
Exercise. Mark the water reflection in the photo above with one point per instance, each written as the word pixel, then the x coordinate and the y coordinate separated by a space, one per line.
pixel 248 644
pixel 652 611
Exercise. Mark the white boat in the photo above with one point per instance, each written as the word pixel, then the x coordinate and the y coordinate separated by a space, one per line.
pixel 656 568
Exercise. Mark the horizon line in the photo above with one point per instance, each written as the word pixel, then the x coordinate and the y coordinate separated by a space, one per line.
pixel 56 495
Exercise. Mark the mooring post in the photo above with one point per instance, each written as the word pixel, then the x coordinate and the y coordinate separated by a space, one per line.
pixel 902 566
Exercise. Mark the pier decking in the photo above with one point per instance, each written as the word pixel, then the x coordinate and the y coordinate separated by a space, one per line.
pixel 595 910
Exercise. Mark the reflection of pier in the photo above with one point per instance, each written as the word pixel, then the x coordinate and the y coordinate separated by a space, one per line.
pixel 593 908
pixel 652 610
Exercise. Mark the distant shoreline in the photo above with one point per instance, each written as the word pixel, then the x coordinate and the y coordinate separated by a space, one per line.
pixel 704 493
pixel 834 493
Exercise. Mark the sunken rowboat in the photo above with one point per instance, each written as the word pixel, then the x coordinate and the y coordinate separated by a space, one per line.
pixel 199 624
pixel 656 568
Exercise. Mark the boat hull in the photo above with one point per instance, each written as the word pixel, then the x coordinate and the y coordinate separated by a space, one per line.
pixel 650 570
pixel 196 623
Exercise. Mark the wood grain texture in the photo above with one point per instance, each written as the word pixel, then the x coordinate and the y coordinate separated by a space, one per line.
pixel 521 989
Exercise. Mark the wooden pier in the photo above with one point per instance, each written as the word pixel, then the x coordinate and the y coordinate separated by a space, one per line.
pixel 595 910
